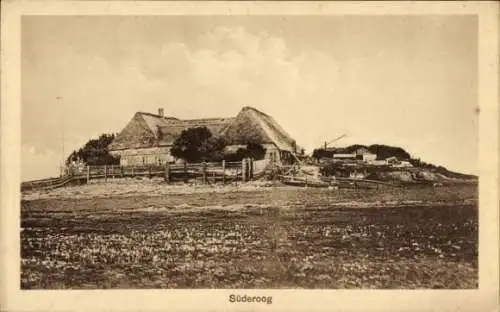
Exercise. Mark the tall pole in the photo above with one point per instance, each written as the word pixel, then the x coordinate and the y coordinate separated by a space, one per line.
pixel 58 98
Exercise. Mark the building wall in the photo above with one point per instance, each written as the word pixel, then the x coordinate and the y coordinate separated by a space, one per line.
pixel 345 156
pixel 378 162
pixel 161 155
pixel 361 151
pixel 144 156
pixel 272 153
pixel 369 157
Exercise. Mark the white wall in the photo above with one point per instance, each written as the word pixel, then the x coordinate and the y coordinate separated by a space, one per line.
pixel 144 156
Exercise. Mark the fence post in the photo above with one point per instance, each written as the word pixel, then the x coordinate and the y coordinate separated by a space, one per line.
pixel 167 173
pixel 204 172
pixel 213 175
pixel 122 174
pixel 132 174
pixel 149 171
pixel 185 172
pixel 251 169
pixel 88 174
pixel 223 171
pixel 105 173
pixel 243 169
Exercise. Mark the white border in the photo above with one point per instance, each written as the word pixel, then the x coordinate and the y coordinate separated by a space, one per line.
pixel 483 299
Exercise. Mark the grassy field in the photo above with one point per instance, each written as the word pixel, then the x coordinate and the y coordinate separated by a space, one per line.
pixel 272 238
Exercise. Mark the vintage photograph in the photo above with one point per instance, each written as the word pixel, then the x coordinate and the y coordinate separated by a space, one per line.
pixel 249 152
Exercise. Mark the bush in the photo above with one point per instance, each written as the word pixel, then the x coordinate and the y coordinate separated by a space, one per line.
pixel 198 144
pixel 416 162
pixel 384 151
pixel 252 150
pixel 95 152
pixel 319 153
pixel 334 169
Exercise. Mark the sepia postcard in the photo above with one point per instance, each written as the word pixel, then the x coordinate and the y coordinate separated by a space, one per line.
pixel 249 156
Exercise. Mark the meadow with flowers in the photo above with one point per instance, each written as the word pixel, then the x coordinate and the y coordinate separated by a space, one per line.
pixel 269 237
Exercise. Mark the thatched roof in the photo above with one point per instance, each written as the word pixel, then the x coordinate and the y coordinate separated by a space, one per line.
pixel 151 130
pixel 250 125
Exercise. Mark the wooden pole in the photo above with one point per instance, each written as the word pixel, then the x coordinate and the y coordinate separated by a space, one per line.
pixel 185 172
pixel 243 169
pixel 132 171
pixel 247 168
pixel 223 171
pixel 213 175
pixel 204 172
pixel 167 173
pixel 122 174
pixel 251 169
pixel 105 173
pixel 149 171
pixel 88 174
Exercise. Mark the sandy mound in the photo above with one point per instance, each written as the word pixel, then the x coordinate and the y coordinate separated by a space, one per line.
pixel 135 187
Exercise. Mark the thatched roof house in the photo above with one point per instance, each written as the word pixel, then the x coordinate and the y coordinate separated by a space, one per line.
pixel 252 124
pixel 147 138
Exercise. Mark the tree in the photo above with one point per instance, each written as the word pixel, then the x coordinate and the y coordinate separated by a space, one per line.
pixel 213 149
pixel 95 152
pixel 384 151
pixel 251 150
pixel 255 151
pixel 321 152
pixel 197 144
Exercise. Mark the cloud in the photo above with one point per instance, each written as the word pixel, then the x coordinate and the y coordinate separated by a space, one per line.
pixel 231 68
pixel 214 75
pixel 38 165
pixel 390 96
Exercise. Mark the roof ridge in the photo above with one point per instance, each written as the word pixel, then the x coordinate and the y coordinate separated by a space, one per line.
pixel 254 109
pixel 209 118
pixel 179 119
pixel 156 115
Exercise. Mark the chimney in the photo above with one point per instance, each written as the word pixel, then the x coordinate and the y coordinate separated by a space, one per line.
pixel 160 112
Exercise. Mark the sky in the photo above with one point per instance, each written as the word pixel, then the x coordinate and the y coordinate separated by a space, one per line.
pixel 408 81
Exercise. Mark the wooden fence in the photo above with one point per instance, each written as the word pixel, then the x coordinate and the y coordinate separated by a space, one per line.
pixel 207 172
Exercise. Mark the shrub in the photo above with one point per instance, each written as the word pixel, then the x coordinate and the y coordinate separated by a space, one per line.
pixel 198 144
pixel 252 150
pixel 95 152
